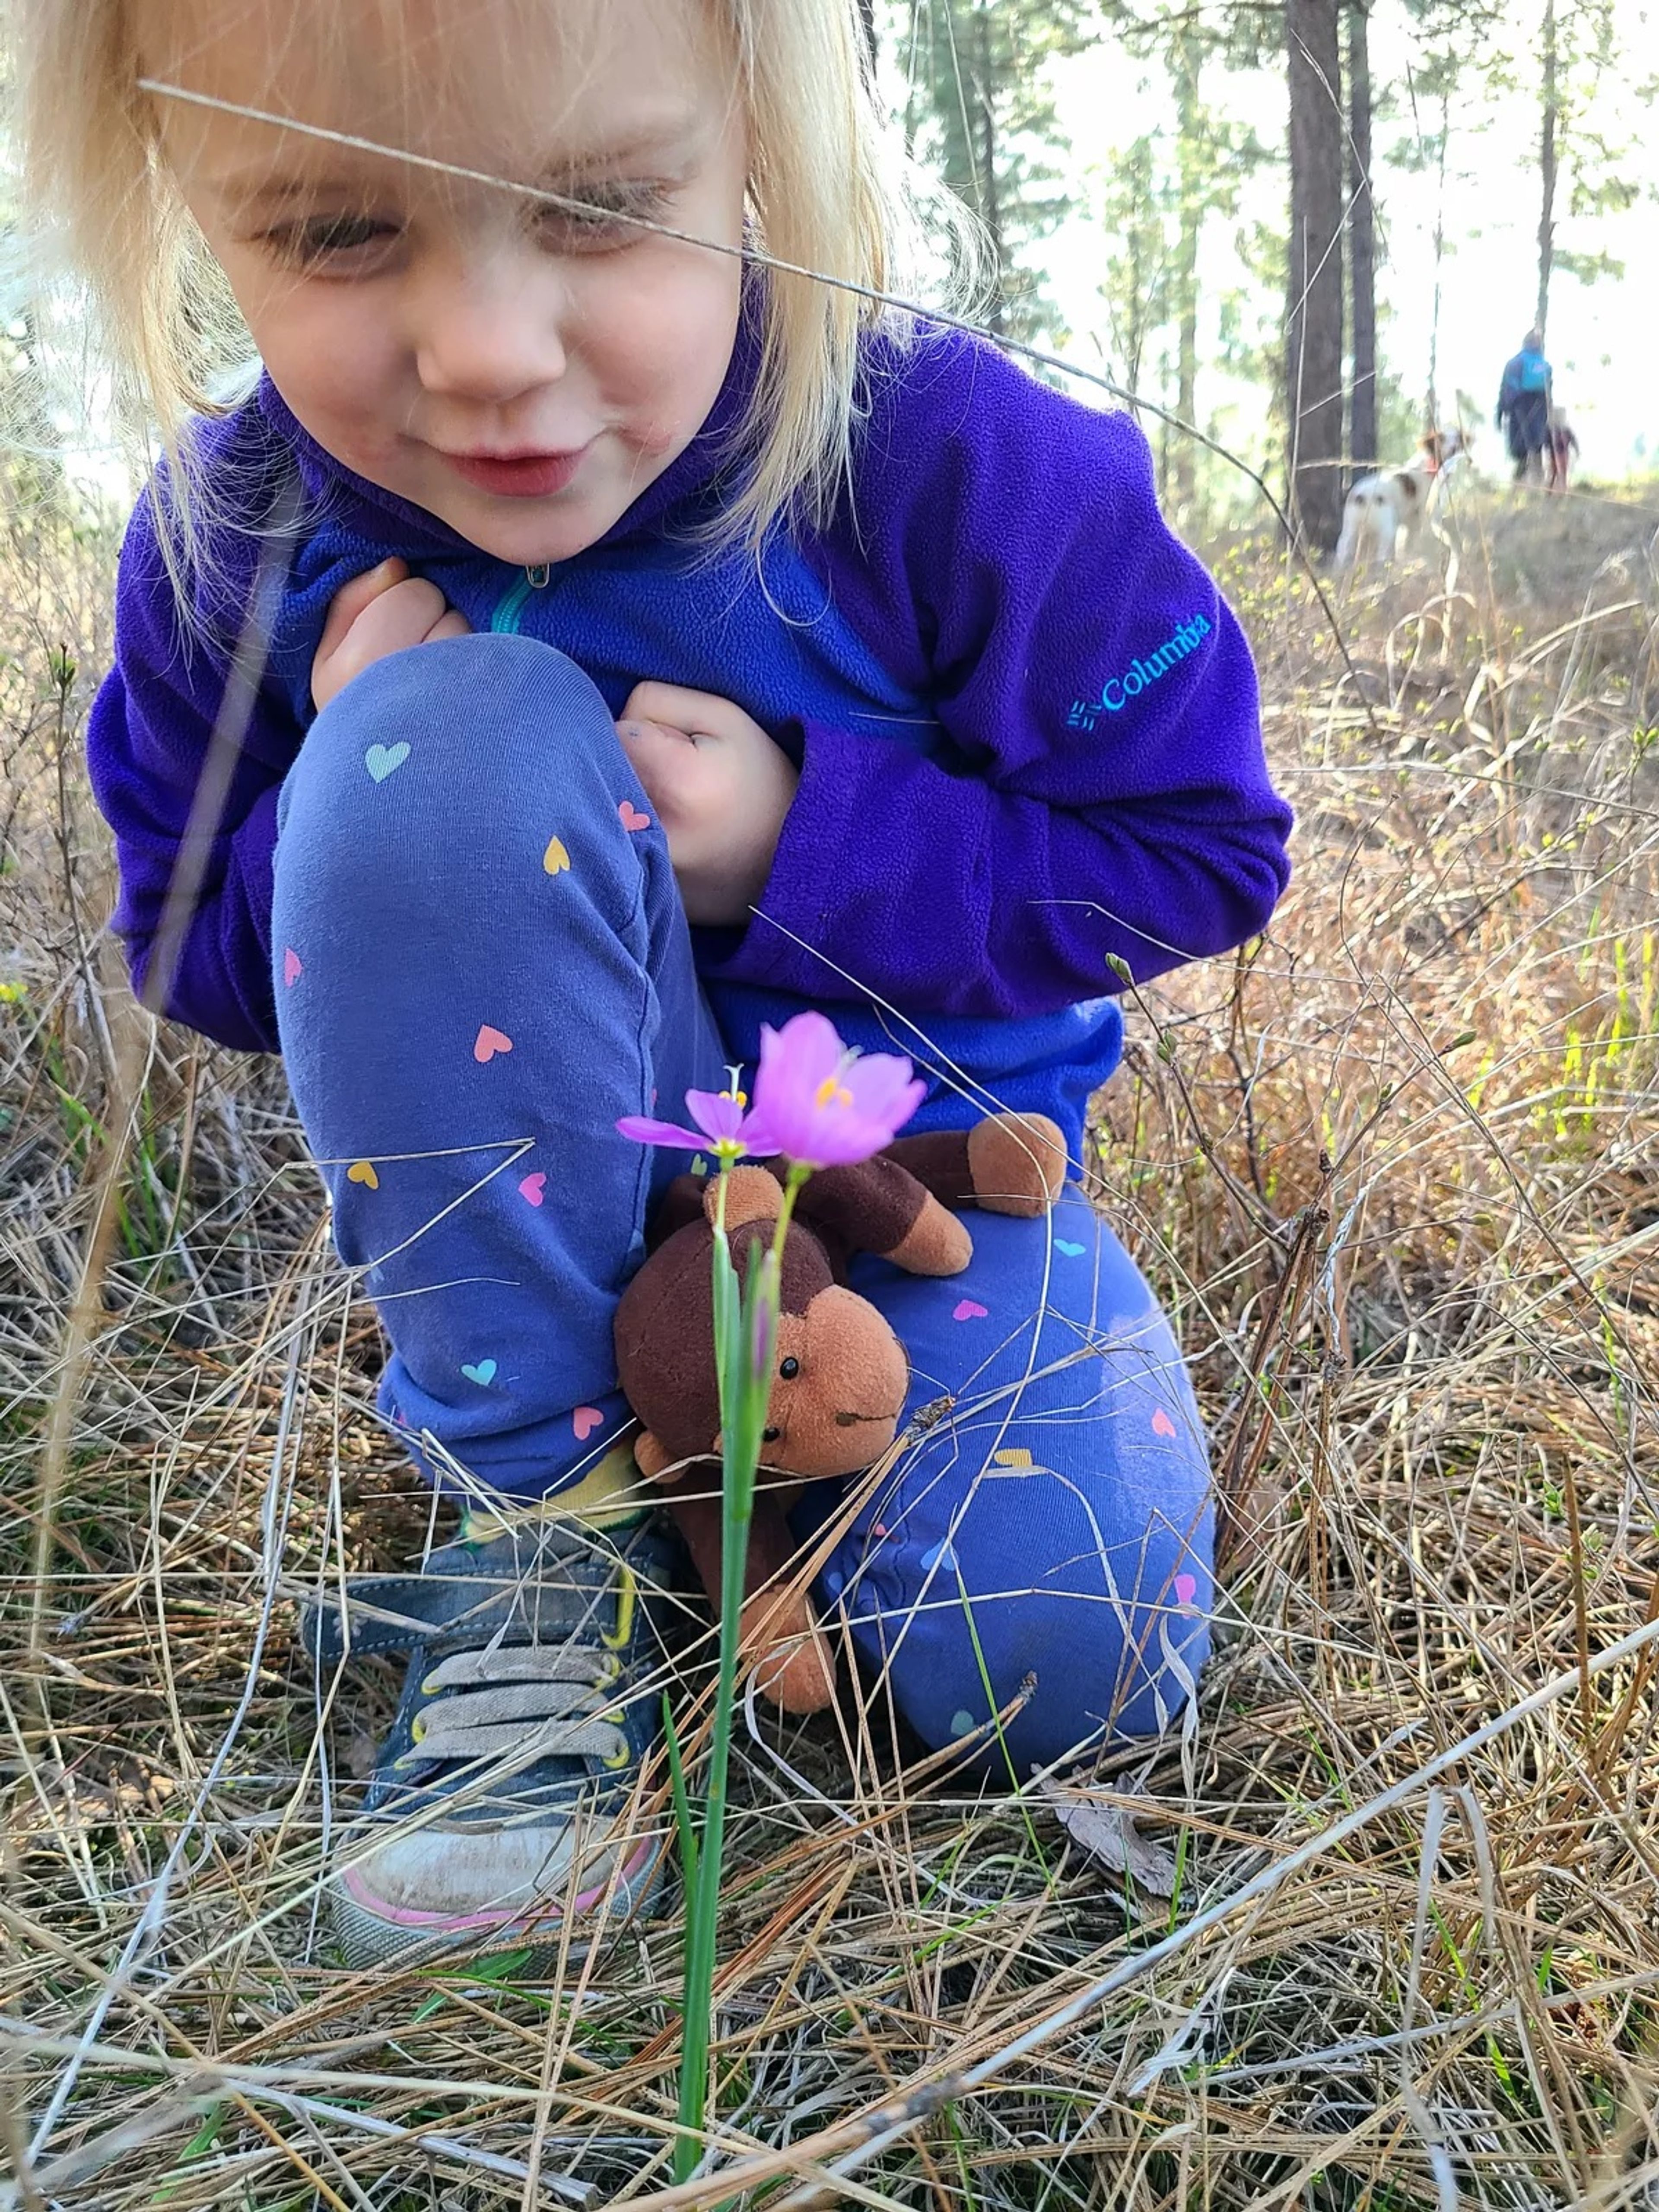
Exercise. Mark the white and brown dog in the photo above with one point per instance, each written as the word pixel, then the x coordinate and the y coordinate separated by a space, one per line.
pixel 1389 506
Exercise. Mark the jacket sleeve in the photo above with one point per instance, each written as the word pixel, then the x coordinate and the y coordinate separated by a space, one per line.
pixel 1100 790
pixel 149 736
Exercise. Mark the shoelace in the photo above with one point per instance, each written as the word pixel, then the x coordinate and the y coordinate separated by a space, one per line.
pixel 536 1700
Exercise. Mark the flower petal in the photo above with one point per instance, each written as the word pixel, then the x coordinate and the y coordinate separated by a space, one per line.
pixel 802 1055
pixel 824 1106
pixel 884 1089
pixel 715 1112
pixel 644 1131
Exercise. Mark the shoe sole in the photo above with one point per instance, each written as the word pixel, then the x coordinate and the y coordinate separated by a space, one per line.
pixel 367 1938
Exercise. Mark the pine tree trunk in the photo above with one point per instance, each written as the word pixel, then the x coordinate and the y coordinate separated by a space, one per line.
pixel 1313 409
pixel 1186 61
pixel 1362 243
pixel 1546 162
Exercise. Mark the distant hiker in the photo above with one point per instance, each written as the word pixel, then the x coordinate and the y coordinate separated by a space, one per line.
pixel 1523 400
pixel 1563 445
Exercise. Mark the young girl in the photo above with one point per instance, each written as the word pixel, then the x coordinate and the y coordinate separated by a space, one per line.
pixel 588 642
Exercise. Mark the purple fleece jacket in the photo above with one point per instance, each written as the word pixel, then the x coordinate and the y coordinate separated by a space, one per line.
pixel 1026 722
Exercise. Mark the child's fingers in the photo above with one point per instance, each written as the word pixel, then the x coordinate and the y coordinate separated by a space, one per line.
pixel 642 739
pixel 692 713
pixel 397 618
pixel 385 611
pixel 686 798
pixel 665 762
pixel 351 598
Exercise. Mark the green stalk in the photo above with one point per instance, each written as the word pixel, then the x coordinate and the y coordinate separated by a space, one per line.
pixel 683 1820
pixel 745 1328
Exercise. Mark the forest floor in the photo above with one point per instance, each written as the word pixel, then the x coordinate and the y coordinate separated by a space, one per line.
pixel 1394 1169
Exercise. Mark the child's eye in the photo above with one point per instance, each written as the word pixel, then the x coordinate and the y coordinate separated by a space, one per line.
pixel 343 241
pixel 601 223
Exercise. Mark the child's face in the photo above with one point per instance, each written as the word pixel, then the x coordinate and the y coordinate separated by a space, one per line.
pixel 520 372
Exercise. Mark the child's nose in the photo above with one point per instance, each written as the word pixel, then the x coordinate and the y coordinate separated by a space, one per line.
pixel 491 328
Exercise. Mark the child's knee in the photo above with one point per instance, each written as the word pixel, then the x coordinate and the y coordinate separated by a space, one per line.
pixel 1024 1599
pixel 468 733
pixel 452 777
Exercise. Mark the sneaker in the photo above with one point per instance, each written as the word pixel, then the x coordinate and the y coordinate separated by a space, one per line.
pixel 504 1802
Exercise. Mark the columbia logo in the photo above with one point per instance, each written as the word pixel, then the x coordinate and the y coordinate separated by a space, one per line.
pixel 1117 690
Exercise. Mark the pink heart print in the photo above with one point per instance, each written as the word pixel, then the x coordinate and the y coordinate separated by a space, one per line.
pixel 293 967
pixel 1162 1425
pixel 1186 1589
pixel 630 817
pixel 968 1309
pixel 533 1188
pixel 488 1043
pixel 585 1420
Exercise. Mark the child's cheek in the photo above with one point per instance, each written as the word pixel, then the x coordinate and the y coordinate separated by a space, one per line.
pixel 340 373
pixel 669 325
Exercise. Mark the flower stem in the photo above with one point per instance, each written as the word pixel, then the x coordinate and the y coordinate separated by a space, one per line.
pixel 746 1326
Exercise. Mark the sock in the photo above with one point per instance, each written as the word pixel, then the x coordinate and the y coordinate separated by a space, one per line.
pixel 613 1493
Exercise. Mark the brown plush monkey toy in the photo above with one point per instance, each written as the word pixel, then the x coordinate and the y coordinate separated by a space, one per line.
pixel 840 1374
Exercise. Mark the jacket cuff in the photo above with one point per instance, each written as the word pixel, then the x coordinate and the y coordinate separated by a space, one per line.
pixel 877 885
pixel 791 915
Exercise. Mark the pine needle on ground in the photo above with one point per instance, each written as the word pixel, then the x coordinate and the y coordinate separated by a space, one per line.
pixel 1394 1169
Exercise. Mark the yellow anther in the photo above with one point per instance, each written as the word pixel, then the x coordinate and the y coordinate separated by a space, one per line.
pixel 832 1092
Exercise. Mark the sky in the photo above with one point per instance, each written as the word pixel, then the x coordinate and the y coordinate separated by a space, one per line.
pixel 1603 337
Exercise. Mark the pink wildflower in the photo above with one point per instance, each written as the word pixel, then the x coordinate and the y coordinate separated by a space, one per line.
pixel 823 1106
pixel 723 1127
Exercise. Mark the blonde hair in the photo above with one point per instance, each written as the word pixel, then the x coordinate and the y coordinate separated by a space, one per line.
pixel 824 195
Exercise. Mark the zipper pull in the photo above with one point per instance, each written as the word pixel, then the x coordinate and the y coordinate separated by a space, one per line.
pixel 537 573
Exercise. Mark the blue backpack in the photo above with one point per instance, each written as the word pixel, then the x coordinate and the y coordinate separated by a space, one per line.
pixel 1535 372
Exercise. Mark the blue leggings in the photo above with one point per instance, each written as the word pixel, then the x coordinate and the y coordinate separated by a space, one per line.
pixel 480 963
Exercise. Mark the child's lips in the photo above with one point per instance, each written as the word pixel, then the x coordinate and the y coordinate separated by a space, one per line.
pixel 521 475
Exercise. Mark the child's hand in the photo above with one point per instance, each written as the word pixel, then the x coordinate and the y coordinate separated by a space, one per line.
pixel 376 614
pixel 721 789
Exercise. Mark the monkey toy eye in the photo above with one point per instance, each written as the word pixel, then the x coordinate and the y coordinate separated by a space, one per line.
pixel 789 1370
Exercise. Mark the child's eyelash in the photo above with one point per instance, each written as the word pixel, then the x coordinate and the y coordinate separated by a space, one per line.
pixel 329 235
pixel 599 218
pixel 604 212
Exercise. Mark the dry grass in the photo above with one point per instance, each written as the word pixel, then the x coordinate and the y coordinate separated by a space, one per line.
pixel 1395 1171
